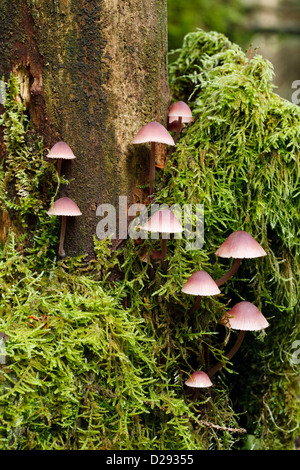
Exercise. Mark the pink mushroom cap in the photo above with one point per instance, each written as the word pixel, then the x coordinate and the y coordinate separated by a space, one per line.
pixel 244 316
pixel 153 132
pixel 163 221
pixel 61 150
pixel 180 109
pixel 64 206
pixel 240 244
pixel 198 379
pixel 200 283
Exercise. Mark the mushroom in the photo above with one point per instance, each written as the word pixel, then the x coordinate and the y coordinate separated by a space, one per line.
pixel 200 283
pixel 61 151
pixel 198 379
pixel 165 222
pixel 64 207
pixel 238 245
pixel 153 132
pixel 179 112
pixel 244 316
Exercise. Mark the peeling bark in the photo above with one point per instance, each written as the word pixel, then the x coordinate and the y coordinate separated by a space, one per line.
pixel 92 74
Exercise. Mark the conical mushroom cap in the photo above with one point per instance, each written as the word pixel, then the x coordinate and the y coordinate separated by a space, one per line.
pixel 244 316
pixel 64 206
pixel 240 244
pixel 61 150
pixel 153 132
pixel 180 109
pixel 198 379
pixel 200 283
pixel 163 221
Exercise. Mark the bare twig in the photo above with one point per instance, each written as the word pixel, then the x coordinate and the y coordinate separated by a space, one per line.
pixel 221 428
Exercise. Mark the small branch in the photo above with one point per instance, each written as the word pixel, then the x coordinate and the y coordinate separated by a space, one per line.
pixel 200 421
pixel 221 428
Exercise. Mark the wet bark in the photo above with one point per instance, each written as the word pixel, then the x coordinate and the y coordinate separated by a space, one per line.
pixel 92 73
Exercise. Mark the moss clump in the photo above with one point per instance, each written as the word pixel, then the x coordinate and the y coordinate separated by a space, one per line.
pixel 84 369
pixel 98 363
pixel 241 160
pixel 28 182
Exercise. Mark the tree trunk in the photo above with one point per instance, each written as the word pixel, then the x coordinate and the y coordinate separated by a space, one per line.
pixel 92 73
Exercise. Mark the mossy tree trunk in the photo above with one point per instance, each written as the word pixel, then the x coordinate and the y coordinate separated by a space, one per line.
pixel 92 73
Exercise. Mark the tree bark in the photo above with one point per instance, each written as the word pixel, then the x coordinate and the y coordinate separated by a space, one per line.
pixel 92 73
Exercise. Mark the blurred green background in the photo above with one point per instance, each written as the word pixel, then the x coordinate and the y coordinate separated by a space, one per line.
pixel 226 17
pixel 270 27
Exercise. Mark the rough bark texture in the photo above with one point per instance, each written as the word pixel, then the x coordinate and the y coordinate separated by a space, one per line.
pixel 92 73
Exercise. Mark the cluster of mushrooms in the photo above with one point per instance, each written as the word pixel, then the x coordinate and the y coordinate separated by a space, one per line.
pixel 244 316
pixel 63 206
pixel 153 132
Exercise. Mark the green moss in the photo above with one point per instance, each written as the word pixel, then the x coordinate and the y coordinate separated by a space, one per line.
pixel 241 160
pixel 28 182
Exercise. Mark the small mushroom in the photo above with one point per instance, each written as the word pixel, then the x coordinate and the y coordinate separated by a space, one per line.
pixel 63 207
pixel 244 316
pixel 153 132
pixel 238 245
pixel 179 112
pixel 200 283
pixel 165 222
pixel 61 151
pixel 198 379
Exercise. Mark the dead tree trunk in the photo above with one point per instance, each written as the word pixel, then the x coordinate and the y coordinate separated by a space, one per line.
pixel 92 72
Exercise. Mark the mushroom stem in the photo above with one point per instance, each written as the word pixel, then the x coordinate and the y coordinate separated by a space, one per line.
pixel 61 250
pixel 59 166
pixel 231 353
pixel 196 305
pixel 230 273
pixel 164 252
pixel 178 129
pixel 152 168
